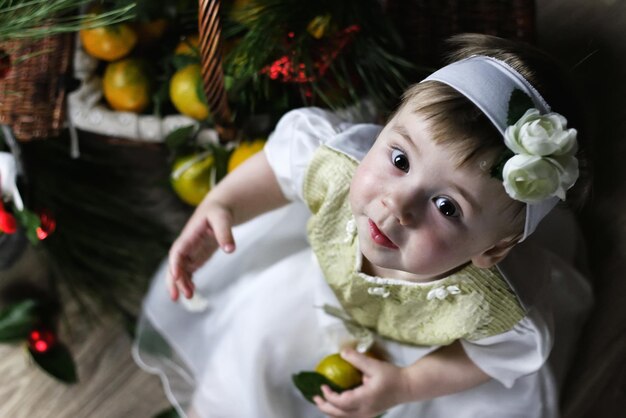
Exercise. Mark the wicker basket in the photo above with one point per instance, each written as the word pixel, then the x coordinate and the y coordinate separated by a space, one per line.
pixel 32 95
pixel 424 24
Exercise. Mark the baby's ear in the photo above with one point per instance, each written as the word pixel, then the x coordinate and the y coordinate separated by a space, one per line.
pixel 495 254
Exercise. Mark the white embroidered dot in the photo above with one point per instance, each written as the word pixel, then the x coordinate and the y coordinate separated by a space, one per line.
pixel 379 291
pixel 453 290
pixel 442 292
pixel 350 230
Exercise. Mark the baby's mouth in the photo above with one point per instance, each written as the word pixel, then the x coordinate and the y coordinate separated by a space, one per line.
pixel 378 237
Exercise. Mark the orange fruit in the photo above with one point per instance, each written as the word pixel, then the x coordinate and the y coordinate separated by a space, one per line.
pixel 109 43
pixel 339 371
pixel 244 151
pixel 189 45
pixel 151 31
pixel 126 85
pixel 191 177
pixel 185 90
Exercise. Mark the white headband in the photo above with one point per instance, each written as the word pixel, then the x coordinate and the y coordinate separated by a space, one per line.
pixel 489 84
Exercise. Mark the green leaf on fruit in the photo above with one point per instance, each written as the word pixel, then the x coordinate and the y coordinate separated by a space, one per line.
pixel 58 362
pixel 168 413
pixel 310 384
pixel 30 222
pixel 178 137
pixel 182 60
pixel 17 320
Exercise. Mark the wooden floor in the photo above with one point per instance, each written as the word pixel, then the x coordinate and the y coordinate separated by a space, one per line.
pixel 111 385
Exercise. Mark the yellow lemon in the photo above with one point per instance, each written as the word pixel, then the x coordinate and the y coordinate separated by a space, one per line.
pixel 339 371
pixel 244 151
pixel 109 43
pixel 191 177
pixel 126 85
pixel 185 89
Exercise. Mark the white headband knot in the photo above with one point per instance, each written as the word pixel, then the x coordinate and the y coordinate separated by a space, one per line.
pixel 542 165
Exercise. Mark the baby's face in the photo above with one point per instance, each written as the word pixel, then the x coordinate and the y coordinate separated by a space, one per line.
pixel 420 216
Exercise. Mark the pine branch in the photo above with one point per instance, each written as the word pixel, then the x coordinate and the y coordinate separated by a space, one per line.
pixel 366 61
pixel 39 18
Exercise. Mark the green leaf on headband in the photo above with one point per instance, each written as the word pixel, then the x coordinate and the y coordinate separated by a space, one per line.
pixel 498 166
pixel 519 103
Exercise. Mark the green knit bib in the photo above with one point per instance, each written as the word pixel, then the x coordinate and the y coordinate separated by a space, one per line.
pixel 471 304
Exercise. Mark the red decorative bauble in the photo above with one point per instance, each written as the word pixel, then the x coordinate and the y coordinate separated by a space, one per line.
pixel 47 224
pixel 8 224
pixel 41 340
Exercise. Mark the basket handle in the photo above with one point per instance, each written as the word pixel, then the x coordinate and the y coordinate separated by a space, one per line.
pixel 212 72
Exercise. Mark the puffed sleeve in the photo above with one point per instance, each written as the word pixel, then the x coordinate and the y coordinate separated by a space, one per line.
pixel 297 136
pixel 515 353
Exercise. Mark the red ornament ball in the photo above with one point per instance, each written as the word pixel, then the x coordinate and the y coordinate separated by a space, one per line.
pixel 48 224
pixel 41 340
pixel 8 224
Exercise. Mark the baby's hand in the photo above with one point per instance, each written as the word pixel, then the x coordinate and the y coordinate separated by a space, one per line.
pixel 208 229
pixel 384 386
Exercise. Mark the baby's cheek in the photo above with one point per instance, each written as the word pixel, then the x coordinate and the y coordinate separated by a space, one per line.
pixel 432 253
pixel 362 188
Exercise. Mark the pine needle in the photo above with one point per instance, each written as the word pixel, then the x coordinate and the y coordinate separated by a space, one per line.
pixel 38 18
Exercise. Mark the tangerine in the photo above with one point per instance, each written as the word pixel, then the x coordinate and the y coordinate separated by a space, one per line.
pixel 191 177
pixel 126 85
pixel 244 151
pixel 188 46
pixel 109 43
pixel 186 90
pixel 149 32
pixel 339 371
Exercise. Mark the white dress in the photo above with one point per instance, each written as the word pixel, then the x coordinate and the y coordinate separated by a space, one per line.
pixel 231 352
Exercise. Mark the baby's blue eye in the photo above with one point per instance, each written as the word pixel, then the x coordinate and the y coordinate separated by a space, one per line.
pixel 446 207
pixel 400 160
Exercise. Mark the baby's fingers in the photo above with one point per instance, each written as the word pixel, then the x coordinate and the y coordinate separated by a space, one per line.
pixel 346 401
pixel 178 282
pixel 328 408
pixel 221 225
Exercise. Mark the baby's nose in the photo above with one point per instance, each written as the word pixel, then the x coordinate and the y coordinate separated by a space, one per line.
pixel 403 205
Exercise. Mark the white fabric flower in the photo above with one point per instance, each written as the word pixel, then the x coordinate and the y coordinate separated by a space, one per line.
pixel 543 135
pixel 544 164
pixel 442 292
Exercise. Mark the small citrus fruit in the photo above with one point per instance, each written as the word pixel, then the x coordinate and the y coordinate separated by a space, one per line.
pixel 191 177
pixel 339 371
pixel 126 85
pixel 109 43
pixel 244 151
pixel 185 89
pixel 149 32
pixel 188 46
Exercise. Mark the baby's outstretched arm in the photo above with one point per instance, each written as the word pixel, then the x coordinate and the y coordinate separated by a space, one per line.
pixel 249 191
pixel 445 371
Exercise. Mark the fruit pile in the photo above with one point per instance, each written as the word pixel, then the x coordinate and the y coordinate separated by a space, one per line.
pixel 131 82
pixel 153 67
pixel 193 174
